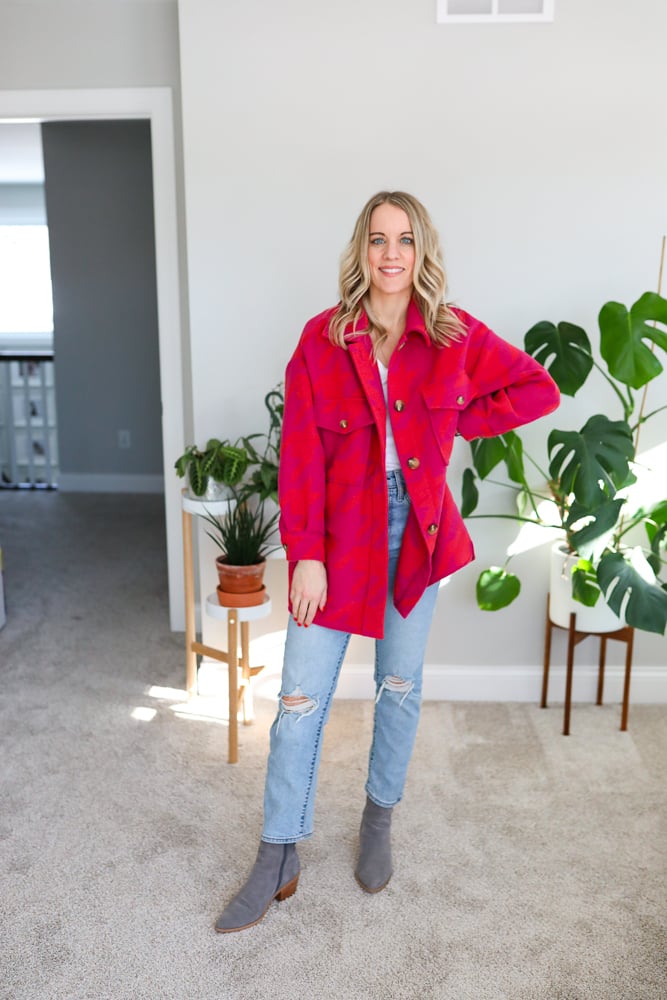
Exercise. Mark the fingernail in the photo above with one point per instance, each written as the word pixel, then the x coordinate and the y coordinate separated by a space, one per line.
pixel 305 626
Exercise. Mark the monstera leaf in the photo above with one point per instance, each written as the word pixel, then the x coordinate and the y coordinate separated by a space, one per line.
pixel 585 587
pixel 655 523
pixel 647 601
pixel 496 588
pixel 592 463
pixel 622 336
pixel 588 529
pixel 469 493
pixel 564 350
pixel 487 453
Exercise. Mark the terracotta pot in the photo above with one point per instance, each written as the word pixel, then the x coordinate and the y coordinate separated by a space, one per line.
pixel 599 618
pixel 240 579
pixel 227 600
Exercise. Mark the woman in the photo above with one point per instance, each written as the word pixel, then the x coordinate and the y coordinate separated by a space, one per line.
pixel 374 394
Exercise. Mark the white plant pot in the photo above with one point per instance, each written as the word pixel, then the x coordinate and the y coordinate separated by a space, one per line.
pixel 599 618
pixel 214 491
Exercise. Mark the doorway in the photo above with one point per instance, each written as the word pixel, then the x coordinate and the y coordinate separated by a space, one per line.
pixel 155 105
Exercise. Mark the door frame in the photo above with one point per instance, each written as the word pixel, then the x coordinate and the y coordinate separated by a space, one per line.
pixel 156 105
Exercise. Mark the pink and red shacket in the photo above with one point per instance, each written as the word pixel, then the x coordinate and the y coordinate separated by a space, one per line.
pixel 332 483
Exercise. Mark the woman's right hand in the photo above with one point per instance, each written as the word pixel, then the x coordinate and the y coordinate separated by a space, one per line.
pixel 308 593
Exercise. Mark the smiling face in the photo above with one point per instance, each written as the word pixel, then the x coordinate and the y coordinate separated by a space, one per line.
pixel 391 251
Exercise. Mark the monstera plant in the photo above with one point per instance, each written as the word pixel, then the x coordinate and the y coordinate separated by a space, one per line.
pixel 589 474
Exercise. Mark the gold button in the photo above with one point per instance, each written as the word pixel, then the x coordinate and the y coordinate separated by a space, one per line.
pixel 399 405
pixel 343 424
pixel 460 400
pixel 432 528
pixel 413 463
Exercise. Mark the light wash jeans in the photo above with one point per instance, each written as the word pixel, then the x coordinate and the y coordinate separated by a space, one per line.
pixel 313 658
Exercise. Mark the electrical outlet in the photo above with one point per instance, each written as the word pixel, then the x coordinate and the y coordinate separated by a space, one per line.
pixel 124 439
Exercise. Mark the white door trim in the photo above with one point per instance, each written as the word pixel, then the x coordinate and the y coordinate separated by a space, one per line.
pixel 155 104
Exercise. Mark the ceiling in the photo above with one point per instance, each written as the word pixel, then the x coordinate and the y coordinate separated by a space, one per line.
pixel 21 153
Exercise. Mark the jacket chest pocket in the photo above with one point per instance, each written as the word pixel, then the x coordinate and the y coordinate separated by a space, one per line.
pixel 444 403
pixel 346 429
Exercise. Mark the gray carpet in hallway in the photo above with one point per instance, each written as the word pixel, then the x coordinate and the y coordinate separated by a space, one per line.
pixel 528 866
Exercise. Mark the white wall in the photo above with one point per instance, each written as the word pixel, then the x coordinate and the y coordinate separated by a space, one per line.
pixel 87 43
pixel 22 205
pixel 539 149
pixel 21 159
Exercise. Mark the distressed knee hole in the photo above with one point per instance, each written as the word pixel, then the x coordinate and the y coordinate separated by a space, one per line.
pixel 298 703
pixel 396 684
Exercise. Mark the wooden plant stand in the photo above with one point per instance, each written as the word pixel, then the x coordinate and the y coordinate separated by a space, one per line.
pixel 238 626
pixel 575 636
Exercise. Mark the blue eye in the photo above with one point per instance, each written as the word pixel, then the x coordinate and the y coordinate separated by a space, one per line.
pixel 377 241
pixel 408 240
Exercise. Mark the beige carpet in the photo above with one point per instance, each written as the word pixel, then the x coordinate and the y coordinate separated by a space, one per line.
pixel 528 865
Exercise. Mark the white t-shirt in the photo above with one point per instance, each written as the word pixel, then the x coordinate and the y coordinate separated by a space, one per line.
pixel 391 455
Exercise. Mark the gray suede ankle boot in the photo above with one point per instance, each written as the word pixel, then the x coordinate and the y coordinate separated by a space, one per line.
pixel 374 865
pixel 274 876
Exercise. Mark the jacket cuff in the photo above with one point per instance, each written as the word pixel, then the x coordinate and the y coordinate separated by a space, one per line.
pixel 304 547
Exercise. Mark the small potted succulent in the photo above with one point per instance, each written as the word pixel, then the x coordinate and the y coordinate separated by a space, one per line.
pixel 244 537
pixel 614 543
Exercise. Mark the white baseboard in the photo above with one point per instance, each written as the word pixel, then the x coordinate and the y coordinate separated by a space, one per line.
pixel 445 683
pixel 75 482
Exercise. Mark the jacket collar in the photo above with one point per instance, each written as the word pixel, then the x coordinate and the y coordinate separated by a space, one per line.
pixel 414 323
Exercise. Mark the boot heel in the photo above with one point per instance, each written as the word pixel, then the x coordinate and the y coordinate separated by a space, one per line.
pixel 288 890
pixel 275 863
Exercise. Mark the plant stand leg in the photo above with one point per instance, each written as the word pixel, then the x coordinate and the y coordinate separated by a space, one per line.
pixel 626 685
pixel 568 680
pixel 190 655
pixel 233 662
pixel 547 659
pixel 248 708
pixel 603 658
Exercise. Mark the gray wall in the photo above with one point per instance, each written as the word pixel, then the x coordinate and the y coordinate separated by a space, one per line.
pixel 99 199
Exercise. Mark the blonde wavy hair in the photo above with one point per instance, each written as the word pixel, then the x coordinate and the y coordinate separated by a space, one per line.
pixel 430 282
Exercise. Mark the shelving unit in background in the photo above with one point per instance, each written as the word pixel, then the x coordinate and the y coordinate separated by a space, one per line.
pixel 28 429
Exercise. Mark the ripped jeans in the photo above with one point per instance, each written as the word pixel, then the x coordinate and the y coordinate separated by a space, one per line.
pixel 313 659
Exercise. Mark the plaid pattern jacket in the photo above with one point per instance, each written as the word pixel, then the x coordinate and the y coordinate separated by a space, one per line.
pixel 332 483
